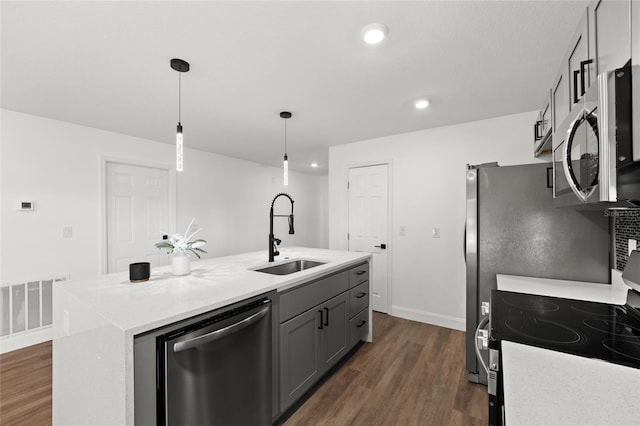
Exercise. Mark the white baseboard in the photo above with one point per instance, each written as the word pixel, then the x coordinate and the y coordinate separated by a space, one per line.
pixel 19 341
pixel 429 318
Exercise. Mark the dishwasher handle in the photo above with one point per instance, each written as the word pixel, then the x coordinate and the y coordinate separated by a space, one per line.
pixel 219 334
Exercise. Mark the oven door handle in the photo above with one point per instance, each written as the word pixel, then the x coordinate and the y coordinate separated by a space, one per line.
pixel 481 325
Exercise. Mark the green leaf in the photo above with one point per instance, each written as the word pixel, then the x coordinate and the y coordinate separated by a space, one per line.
pixel 164 244
pixel 200 250
pixel 194 252
pixel 197 243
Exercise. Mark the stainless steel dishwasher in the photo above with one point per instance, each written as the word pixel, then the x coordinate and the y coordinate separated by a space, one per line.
pixel 218 371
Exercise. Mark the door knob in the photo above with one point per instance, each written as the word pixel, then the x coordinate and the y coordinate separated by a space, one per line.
pixel 382 246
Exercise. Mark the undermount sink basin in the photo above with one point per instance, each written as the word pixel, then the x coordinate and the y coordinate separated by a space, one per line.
pixel 290 267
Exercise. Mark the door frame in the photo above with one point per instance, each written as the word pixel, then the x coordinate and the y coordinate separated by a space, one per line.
pixel 172 206
pixel 390 234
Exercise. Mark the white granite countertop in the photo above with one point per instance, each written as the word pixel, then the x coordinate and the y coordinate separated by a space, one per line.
pixel 555 388
pixel 213 283
pixel 614 293
pixel 545 387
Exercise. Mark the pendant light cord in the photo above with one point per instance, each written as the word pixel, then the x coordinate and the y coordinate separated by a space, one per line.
pixel 179 97
pixel 285 136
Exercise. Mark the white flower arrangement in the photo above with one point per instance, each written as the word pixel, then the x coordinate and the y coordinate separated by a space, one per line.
pixel 178 243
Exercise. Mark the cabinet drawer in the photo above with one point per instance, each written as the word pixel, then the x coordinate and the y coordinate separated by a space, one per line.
pixel 358 327
pixel 358 275
pixel 358 298
pixel 307 296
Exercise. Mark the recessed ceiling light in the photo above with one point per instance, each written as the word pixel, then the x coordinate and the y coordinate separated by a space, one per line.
pixel 314 164
pixel 422 103
pixel 374 33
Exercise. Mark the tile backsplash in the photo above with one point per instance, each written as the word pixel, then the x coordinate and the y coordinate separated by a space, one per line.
pixel 626 225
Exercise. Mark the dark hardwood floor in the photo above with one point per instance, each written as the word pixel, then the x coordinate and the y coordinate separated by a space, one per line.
pixel 413 374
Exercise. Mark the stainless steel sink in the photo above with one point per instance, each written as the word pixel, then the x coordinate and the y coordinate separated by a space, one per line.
pixel 290 267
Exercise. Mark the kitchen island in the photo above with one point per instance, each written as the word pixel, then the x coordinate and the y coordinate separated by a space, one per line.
pixel 95 322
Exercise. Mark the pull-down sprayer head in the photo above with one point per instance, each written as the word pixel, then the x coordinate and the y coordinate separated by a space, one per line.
pixel 291 231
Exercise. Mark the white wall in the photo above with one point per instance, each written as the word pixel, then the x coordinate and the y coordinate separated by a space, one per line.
pixel 428 189
pixel 57 164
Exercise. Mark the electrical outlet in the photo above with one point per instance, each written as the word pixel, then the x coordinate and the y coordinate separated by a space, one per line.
pixel 435 232
pixel 67 232
pixel 403 231
pixel 633 244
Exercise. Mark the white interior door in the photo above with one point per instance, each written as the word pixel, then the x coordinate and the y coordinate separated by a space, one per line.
pixel 368 223
pixel 137 214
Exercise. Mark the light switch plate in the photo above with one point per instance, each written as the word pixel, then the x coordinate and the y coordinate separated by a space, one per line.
pixel 67 232
pixel 435 232
pixel 633 244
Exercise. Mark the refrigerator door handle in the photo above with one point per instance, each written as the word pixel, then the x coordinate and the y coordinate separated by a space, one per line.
pixel 481 326
pixel 464 243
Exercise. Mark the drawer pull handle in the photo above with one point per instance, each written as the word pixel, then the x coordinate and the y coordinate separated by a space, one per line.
pixel 320 327
pixel 326 314
pixel 360 295
pixel 361 272
pixel 361 323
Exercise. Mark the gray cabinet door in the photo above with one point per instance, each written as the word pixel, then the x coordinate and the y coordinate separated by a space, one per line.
pixel 299 361
pixel 546 117
pixel 610 33
pixel 559 101
pixel 578 68
pixel 335 332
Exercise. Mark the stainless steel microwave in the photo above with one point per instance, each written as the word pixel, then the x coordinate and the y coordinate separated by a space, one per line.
pixel 593 149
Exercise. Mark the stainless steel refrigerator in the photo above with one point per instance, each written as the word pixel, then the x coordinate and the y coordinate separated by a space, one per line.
pixel 513 228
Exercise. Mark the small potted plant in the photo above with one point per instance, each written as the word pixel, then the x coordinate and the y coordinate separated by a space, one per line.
pixel 179 248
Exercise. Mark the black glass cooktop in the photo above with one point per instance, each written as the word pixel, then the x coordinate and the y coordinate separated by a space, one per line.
pixel 589 329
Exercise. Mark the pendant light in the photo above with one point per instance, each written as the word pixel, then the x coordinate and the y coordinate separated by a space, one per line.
pixel 285 164
pixel 180 66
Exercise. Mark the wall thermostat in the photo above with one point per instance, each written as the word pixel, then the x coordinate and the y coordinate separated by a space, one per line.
pixel 27 206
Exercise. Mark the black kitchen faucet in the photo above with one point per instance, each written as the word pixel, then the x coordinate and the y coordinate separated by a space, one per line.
pixel 273 241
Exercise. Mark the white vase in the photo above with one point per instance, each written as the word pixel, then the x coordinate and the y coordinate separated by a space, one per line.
pixel 180 263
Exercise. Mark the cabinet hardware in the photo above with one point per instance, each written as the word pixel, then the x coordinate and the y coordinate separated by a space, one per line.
pixel 583 71
pixel 361 272
pixel 361 323
pixel 536 130
pixel 321 321
pixel 575 86
pixel 326 314
pixel 381 246
pixel 360 295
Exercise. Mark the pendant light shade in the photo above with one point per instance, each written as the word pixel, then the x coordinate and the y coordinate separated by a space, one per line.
pixel 180 66
pixel 285 164
pixel 285 168
pixel 179 147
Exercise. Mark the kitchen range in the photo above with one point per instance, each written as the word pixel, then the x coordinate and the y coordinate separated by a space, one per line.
pixel 595 331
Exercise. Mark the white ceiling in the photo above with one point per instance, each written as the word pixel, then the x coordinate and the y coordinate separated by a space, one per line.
pixel 106 65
